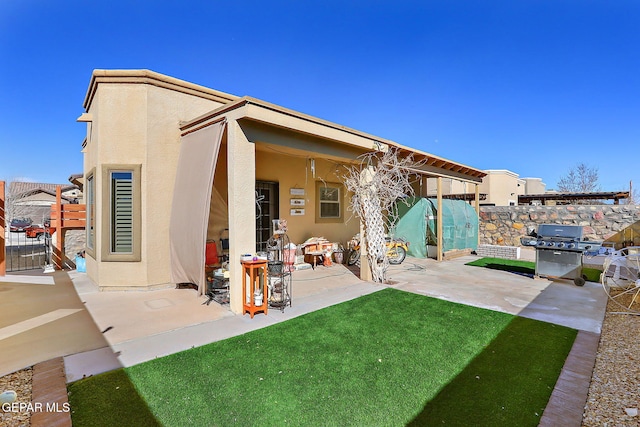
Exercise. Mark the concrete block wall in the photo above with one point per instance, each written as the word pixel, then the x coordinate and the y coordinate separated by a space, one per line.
pixel 497 251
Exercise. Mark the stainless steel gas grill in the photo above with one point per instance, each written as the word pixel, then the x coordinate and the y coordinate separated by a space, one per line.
pixel 559 250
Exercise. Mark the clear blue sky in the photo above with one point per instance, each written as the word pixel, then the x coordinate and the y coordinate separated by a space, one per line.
pixel 535 87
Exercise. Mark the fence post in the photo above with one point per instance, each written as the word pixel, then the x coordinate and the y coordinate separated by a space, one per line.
pixel 58 245
pixel 3 230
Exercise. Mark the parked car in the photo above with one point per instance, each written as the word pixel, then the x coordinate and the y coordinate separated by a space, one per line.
pixel 20 224
pixel 37 231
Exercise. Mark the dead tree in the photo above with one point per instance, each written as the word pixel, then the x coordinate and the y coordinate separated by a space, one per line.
pixel 377 183
pixel 15 206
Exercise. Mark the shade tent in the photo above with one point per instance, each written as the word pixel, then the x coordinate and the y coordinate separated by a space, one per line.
pixel 191 204
pixel 218 217
pixel 417 225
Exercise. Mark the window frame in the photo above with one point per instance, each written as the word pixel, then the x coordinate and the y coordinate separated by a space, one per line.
pixel 340 202
pixel 90 206
pixel 107 231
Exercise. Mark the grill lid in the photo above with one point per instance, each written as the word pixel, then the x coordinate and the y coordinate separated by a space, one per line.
pixel 572 232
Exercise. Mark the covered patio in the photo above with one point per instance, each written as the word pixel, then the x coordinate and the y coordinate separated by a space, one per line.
pixel 226 152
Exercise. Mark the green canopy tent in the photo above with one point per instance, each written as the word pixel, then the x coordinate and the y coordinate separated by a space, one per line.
pixel 417 224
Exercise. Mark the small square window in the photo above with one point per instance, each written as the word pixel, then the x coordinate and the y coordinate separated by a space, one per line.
pixel 329 202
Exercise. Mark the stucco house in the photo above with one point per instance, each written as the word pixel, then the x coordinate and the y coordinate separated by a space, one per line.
pixel 504 186
pixel 169 164
pixel 34 200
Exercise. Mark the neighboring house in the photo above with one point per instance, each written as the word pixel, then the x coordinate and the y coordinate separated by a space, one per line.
pixel 77 179
pixel 453 189
pixel 534 186
pixel 503 187
pixel 169 165
pixel 33 200
pixel 499 188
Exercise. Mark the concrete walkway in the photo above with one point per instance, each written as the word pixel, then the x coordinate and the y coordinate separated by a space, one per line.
pixel 141 326
pixel 98 331
pixel 41 317
pixel 558 301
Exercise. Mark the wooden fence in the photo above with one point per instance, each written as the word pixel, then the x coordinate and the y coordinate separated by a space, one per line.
pixel 65 217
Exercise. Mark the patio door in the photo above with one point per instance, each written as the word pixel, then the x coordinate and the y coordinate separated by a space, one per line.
pixel 267 202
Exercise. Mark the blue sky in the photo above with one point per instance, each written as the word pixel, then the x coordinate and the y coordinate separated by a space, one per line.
pixel 535 87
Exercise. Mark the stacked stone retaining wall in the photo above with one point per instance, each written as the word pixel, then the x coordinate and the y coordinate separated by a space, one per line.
pixel 505 225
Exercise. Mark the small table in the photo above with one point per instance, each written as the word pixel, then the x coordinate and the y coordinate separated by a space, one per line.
pixel 257 272
pixel 313 258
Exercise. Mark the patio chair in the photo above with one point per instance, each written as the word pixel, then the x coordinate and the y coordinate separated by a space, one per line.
pixel 224 244
pixel 211 259
pixel 217 286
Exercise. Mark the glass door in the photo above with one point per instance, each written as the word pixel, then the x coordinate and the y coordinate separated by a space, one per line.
pixel 267 202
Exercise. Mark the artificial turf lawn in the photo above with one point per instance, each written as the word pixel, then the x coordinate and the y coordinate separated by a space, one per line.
pixel 512 265
pixel 388 358
pixel 526 267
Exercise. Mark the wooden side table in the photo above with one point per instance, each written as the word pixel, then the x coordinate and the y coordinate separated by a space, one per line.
pixel 314 258
pixel 257 272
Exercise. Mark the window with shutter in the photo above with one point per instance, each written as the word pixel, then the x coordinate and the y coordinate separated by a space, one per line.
pixel 122 212
pixel 119 213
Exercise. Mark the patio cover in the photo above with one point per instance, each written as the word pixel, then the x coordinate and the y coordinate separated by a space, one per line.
pixel 190 207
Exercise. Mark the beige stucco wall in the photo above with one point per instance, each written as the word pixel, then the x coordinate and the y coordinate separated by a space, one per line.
pixel 534 186
pixel 138 124
pixel 501 187
pixel 449 186
pixel 294 172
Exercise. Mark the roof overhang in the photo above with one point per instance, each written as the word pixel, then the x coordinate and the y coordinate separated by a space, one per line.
pixel 150 78
pixel 255 113
pixel 77 179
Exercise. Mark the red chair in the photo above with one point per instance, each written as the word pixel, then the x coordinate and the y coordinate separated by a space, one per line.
pixel 211 260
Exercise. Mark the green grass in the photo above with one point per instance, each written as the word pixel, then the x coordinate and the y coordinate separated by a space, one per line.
pixel 389 358
pixel 591 274
pixel 526 267
pixel 511 265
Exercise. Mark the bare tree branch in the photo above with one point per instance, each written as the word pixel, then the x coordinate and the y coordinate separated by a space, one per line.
pixel 377 183
pixel 581 179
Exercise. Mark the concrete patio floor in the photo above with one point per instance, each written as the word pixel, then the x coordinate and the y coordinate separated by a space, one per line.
pixel 555 301
pixel 127 328
pixel 64 314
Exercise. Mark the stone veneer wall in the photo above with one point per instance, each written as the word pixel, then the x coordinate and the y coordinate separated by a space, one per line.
pixel 504 225
pixel 74 242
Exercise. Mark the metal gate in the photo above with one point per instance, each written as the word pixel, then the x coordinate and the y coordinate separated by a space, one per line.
pixel 25 253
